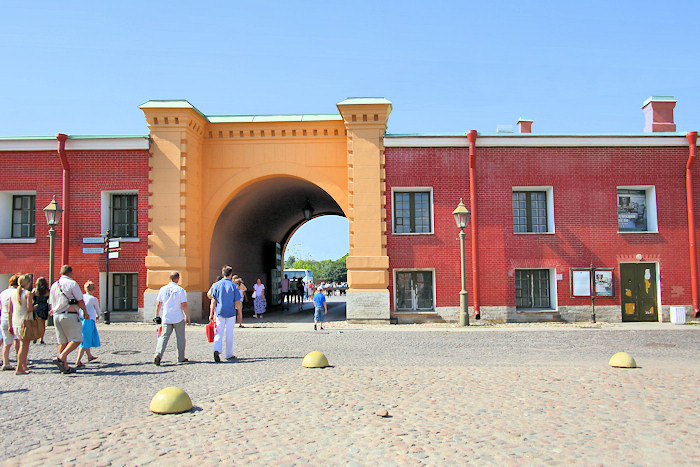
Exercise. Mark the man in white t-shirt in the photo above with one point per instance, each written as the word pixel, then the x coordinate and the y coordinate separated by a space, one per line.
pixel 172 299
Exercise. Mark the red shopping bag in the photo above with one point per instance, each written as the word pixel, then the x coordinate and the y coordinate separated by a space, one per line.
pixel 211 330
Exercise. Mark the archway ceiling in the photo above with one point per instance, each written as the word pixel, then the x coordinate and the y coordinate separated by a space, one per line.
pixel 268 211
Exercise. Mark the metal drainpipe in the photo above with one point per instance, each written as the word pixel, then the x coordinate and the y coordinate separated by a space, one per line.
pixel 66 196
pixel 692 140
pixel 471 137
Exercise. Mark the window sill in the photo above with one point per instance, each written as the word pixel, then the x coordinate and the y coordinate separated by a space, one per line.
pixel 415 312
pixel 534 233
pixel 129 239
pixel 535 310
pixel 638 231
pixel 414 233
pixel 17 240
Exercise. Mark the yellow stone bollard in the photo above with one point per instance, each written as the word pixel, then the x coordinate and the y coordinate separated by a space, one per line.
pixel 170 400
pixel 622 360
pixel 315 359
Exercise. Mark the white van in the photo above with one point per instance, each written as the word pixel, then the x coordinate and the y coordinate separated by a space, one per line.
pixel 305 274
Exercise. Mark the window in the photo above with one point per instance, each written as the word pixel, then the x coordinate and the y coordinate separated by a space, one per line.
pixel 532 288
pixel 636 209
pixel 125 292
pixel 412 212
pixel 23 216
pixel 414 290
pixel 529 211
pixel 125 210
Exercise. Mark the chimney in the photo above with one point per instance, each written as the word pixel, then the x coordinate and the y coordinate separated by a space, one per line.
pixel 524 125
pixel 658 114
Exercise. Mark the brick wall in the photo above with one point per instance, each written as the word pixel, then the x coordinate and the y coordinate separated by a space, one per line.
pixel 91 172
pixel 584 181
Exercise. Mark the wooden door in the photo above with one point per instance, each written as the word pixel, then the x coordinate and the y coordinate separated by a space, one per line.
pixel 638 292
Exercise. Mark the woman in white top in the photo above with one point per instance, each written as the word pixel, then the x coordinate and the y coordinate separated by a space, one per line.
pixel 90 336
pixel 8 335
pixel 259 304
pixel 21 308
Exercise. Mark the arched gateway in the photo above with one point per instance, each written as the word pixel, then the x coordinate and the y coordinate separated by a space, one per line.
pixel 230 189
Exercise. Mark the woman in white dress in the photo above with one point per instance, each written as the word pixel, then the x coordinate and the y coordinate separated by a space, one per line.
pixel 21 308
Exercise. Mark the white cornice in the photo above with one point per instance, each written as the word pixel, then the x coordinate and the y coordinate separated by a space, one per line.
pixel 78 144
pixel 535 141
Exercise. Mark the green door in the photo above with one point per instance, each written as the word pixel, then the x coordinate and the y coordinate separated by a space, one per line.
pixel 638 292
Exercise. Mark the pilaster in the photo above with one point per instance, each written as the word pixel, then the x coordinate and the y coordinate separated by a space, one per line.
pixel 175 194
pixel 368 264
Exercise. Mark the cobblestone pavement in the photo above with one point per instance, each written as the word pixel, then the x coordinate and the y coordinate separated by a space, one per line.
pixel 513 395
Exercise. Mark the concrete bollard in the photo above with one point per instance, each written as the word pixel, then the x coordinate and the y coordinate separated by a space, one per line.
pixel 170 400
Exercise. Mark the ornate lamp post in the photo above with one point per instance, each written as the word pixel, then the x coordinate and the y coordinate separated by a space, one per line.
pixel 53 216
pixel 462 219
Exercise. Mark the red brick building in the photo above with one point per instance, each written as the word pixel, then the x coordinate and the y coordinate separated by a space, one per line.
pixel 546 208
pixel 108 186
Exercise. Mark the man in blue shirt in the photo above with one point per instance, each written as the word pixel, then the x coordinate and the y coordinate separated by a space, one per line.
pixel 320 308
pixel 225 303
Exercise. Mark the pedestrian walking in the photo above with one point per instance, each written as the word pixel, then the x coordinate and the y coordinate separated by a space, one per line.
pixel 300 291
pixel 310 290
pixel 320 308
pixel 21 308
pixel 8 336
pixel 172 299
pixel 65 299
pixel 41 301
pixel 225 305
pixel 243 289
pixel 90 336
pixel 259 304
pixel 285 289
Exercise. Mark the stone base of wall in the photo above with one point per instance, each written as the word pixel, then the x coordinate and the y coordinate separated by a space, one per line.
pixel 366 306
pixel 194 306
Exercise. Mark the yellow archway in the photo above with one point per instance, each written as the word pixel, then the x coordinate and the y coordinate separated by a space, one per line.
pixel 200 163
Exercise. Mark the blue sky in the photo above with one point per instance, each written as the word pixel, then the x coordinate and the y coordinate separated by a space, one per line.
pixel 573 67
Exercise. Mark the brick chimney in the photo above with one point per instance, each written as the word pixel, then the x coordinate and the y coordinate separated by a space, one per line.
pixel 524 125
pixel 658 114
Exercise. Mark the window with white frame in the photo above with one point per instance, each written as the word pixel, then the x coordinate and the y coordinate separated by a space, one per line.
pixel 17 216
pixel 414 290
pixel 125 292
pixel 533 209
pixel 413 212
pixel 535 289
pixel 120 214
pixel 636 209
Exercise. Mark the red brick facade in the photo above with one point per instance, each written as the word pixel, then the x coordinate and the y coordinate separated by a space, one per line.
pixel 583 183
pixel 91 173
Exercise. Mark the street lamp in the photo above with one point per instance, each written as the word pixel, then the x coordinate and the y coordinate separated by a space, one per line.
pixel 462 219
pixel 53 216
pixel 307 210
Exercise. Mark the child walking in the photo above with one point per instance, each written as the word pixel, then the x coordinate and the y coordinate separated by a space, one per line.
pixel 90 336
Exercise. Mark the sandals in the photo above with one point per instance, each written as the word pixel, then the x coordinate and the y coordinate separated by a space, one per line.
pixel 66 370
pixel 7 368
pixel 90 359
pixel 79 365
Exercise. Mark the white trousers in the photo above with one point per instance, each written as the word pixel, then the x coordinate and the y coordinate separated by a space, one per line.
pixel 224 326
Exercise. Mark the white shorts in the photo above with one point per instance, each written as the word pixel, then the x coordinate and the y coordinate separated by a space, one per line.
pixel 7 338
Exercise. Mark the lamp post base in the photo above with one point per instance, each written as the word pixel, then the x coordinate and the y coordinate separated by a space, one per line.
pixel 463 309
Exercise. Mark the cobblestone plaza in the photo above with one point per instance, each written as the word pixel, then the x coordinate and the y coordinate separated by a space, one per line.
pixel 483 395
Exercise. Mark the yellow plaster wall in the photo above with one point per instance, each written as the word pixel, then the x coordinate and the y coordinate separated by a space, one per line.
pixel 197 167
